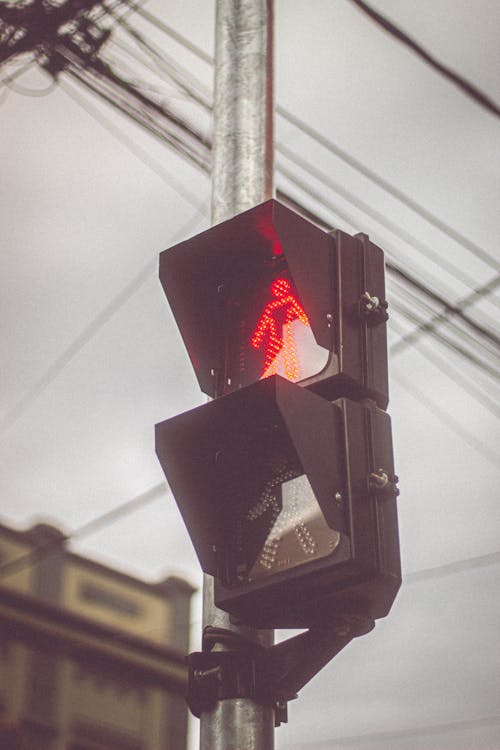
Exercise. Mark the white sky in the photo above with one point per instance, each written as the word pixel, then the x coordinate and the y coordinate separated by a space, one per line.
pixel 82 217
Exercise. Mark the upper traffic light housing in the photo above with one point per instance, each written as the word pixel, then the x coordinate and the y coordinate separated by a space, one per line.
pixel 268 292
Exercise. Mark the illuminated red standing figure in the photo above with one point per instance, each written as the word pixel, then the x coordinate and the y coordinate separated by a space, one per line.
pixel 275 324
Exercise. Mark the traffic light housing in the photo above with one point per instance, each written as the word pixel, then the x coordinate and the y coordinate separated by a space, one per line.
pixel 285 480
pixel 221 282
pixel 290 501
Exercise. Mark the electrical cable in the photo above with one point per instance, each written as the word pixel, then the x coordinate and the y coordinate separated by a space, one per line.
pixel 101 69
pixel 95 325
pixel 140 115
pixel 175 35
pixel 380 218
pixel 440 317
pixel 428 252
pixel 385 185
pixel 448 569
pixel 117 513
pixel 24 91
pixel 291 178
pixel 421 304
pixel 11 77
pixel 397 271
pixel 167 177
pixel 444 339
pixel 407 578
pixel 35 556
pixel 459 726
pixel 456 427
pixel 468 88
pixel 407 275
pixel 391 266
pixel 336 150
pixel 457 377
pixel 161 60
pixel 114 57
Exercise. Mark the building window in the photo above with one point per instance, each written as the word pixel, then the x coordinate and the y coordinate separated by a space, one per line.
pixel 99 596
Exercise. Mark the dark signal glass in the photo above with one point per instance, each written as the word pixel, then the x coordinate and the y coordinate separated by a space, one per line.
pixel 298 531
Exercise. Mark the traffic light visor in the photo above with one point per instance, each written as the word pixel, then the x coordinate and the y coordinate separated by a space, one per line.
pixel 252 298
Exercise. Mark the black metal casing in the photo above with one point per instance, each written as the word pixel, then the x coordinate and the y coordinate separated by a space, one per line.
pixel 219 457
pixel 204 279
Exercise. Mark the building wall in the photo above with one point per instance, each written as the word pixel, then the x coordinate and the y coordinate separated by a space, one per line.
pixel 62 704
pixel 12 548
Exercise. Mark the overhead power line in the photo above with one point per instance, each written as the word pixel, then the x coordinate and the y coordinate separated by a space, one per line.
pixel 392 266
pixel 448 569
pixel 95 325
pixel 171 32
pixel 430 730
pixel 447 418
pixel 61 363
pixel 35 556
pixel 456 376
pixel 451 308
pixel 329 145
pixel 466 353
pixel 203 97
pixel 468 88
pixel 381 182
pixel 103 72
pixel 99 77
pixel 122 510
pixel 396 229
pixel 430 324
pixel 11 77
pixel 139 152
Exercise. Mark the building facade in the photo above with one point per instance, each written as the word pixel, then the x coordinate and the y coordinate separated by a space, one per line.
pixel 90 658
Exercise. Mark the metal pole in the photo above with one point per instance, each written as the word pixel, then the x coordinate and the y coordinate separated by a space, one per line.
pixel 242 167
pixel 242 177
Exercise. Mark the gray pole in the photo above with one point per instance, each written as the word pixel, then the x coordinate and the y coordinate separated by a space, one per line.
pixel 242 167
pixel 242 177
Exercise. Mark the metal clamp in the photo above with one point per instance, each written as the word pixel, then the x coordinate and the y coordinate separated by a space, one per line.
pixel 270 676
pixel 234 673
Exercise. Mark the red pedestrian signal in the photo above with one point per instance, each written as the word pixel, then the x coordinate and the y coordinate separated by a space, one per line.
pixel 269 292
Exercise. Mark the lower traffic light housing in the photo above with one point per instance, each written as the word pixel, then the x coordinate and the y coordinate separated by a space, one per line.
pixel 290 501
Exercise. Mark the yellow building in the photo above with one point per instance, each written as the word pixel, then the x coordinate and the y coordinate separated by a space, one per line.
pixel 90 658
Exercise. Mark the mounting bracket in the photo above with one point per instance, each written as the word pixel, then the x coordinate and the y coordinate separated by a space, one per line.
pixel 270 676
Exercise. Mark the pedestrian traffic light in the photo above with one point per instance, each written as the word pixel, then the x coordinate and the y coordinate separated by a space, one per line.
pixel 268 292
pixel 289 500
pixel 285 480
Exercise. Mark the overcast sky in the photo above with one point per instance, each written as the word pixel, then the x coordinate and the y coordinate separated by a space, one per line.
pixel 92 358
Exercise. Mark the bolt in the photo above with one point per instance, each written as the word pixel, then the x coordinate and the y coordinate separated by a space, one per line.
pixel 370 303
pixel 338 498
pixel 379 479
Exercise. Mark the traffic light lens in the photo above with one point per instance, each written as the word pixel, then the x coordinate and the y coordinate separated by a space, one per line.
pixel 275 336
pixel 274 332
pixel 299 532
